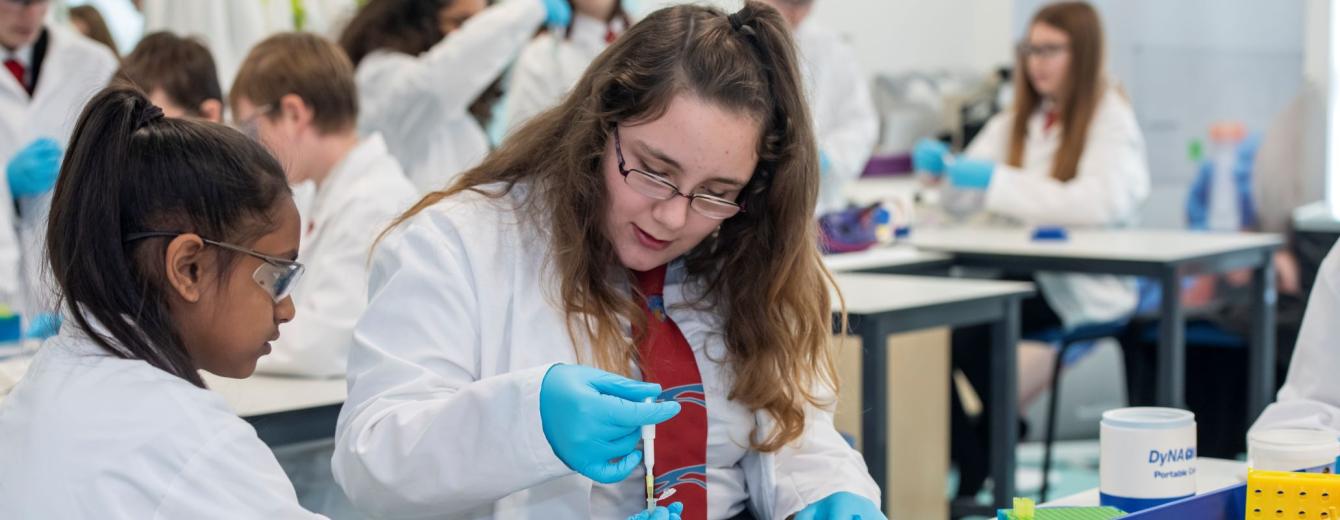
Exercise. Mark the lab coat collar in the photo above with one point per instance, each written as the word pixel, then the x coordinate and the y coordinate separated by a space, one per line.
pixel 79 342
pixel 23 54
pixel 1037 121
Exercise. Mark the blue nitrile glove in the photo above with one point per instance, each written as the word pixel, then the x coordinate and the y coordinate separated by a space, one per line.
pixel 558 13
pixel 825 163
pixel 593 419
pixel 844 506
pixel 972 174
pixel 928 156
pixel 43 326
pixel 33 170
pixel 661 513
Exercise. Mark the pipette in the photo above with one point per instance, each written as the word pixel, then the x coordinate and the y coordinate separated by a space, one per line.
pixel 649 459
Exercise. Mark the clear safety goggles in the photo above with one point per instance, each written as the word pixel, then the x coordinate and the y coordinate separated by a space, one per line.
pixel 277 276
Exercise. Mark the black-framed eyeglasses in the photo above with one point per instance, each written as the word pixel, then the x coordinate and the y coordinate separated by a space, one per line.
pixel 1042 51
pixel 278 276
pixel 660 188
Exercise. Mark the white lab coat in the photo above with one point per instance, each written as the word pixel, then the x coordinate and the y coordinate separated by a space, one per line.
pixel 845 121
pixel 230 28
pixel 1310 397
pixel 73 70
pixel 1112 182
pixel 443 415
pixel 362 195
pixel 551 65
pixel 421 103
pixel 90 435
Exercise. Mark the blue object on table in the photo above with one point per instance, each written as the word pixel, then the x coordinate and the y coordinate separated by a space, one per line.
pixel 10 327
pixel 1226 504
pixel 902 231
pixel 1050 233
pixel 1198 197
pixel 849 230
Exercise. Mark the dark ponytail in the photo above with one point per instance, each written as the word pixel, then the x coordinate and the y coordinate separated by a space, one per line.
pixel 130 170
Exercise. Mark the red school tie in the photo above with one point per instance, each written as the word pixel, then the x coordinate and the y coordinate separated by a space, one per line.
pixel 19 73
pixel 1049 119
pixel 681 442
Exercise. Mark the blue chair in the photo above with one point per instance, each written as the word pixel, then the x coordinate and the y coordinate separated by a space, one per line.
pixel 1073 345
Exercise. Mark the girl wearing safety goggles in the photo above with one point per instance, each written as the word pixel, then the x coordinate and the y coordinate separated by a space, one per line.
pixel 172 242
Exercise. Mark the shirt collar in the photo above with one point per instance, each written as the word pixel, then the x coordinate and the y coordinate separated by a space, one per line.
pixel 24 55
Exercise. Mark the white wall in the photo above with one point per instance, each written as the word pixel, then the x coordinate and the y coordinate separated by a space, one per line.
pixel 909 35
pixel 917 35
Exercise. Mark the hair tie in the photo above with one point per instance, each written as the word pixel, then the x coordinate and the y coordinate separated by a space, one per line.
pixel 737 24
pixel 148 115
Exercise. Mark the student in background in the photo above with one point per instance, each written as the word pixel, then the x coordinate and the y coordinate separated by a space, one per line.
pixel 178 73
pixel 295 92
pixel 173 244
pixel 48 73
pixel 840 102
pixel 554 61
pixel 88 21
pixel 657 223
pixel 421 63
pixel 1068 153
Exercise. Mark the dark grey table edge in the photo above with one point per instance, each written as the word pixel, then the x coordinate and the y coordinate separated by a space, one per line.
pixel 296 426
pixel 1001 312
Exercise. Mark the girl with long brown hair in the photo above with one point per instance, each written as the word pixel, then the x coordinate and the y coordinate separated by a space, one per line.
pixel 1069 153
pixel 656 225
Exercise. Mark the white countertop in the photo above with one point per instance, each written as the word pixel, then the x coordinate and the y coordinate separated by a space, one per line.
pixel 1143 245
pixel 882 257
pixel 877 293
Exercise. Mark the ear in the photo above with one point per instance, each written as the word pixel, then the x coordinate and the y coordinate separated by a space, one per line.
pixel 294 110
pixel 184 264
pixel 212 110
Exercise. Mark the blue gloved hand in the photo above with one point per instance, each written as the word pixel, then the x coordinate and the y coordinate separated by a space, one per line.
pixel 593 419
pixel 33 170
pixel 661 513
pixel 928 156
pixel 558 13
pixel 43 326
pixel 825 163
pixel 972 174
pixel 844 506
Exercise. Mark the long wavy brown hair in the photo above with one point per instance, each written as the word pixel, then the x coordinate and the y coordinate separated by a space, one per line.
pixel 1080 94
pixel 761 270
